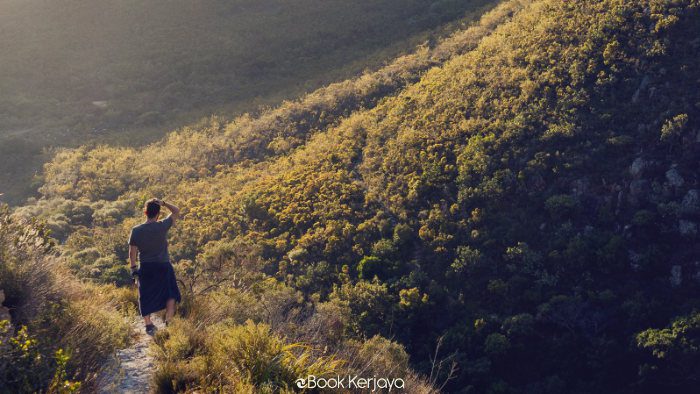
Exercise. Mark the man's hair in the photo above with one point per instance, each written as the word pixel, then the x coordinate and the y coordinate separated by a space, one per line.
pixel 152 208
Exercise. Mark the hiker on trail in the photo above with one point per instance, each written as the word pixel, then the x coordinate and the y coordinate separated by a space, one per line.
pixel 155 275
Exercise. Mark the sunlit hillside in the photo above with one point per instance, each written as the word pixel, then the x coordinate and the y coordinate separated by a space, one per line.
pixel 513 209
pixel 127 71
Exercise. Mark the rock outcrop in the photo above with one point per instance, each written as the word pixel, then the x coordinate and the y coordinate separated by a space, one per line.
pixel 4 312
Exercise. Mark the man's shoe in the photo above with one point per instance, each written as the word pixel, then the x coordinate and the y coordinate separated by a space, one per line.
pixel 150 329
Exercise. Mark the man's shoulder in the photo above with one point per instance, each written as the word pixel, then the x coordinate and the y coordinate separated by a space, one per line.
pixel 136 234
pixel 167 222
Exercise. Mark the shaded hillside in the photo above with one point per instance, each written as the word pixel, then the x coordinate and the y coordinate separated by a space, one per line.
pixel 125 72
pixel 531 205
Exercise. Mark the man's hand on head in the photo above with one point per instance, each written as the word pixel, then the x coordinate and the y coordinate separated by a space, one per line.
pixel 174 211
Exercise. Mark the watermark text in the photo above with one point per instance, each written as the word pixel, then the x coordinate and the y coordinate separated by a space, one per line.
pixel 350 382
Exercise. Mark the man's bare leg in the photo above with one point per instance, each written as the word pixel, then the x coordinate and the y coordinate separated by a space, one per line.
pixel 169 310
pixel 147 319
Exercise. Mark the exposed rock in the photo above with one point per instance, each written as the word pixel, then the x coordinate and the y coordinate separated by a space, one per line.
pixel 4 312
pixel 101 104
pixel 643 85
pixel 687 228
pixel 637 167
pixel 635 260
pixel 676 275
pixel 5 315
pixel 580 186
pixel 674 178
pixel 691 202
pixel 639 190
pixel 618 204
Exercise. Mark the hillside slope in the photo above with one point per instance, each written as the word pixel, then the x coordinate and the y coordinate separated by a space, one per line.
pixel 75 71
pixel 531 205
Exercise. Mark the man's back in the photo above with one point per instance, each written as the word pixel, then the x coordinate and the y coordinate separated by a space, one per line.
pixel 151 240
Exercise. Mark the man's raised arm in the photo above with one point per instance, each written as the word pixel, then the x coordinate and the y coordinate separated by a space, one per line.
pixel 174 211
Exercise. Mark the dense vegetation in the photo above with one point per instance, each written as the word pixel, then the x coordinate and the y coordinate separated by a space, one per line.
pixel 54 331
pixel 124 72
pixel 527 211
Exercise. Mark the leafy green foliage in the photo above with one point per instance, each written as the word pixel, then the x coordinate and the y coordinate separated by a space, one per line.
pixel 23 367
pixel 675 351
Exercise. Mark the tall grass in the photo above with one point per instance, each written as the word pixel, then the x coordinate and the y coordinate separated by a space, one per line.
pixel 72 326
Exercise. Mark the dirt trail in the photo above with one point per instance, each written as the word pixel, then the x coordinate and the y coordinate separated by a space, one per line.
pixel 131 369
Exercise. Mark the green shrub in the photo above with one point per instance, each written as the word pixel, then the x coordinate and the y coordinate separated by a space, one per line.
pixel 384 357
pixel 262 358
pixel 496 344
pixel 229 356
pixel 561 206
pixel 371 266
pixel 674 127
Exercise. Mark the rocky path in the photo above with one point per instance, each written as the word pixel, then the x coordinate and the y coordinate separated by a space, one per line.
pixel 131 369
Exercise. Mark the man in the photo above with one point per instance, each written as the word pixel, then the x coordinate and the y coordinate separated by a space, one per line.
pixel 155 276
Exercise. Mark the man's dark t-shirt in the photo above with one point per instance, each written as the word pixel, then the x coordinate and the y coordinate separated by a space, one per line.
pixel 152 241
